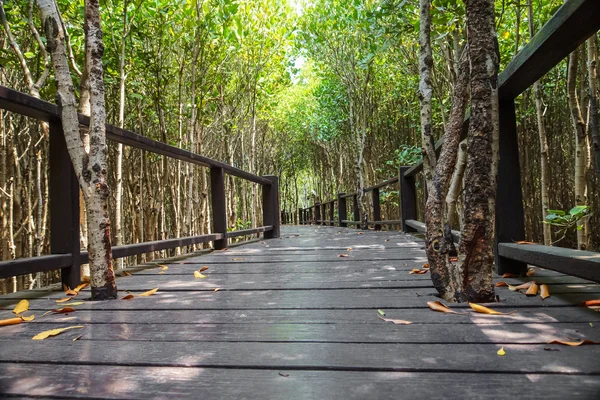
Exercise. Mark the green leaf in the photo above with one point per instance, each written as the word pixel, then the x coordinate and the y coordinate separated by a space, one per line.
pixel 381 312
pixel 557 212
pixel 578 210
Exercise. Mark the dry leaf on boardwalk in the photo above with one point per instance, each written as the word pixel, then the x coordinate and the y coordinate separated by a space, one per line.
pixel 163 267
pixel 63 310
pixel 361 233
pixel 70 292
pixel 128 297
pixel 80 287
pixel 198 275
pixel 522 286
pixel 418 271
pixel 441 307
pixel 21 307
pixel 54 332
pixel 216 289
pixel 149 292
pixel 63 299
pixel 396 321
pixel 342 255
pixel 524 242
pixel 85 279
pixel 501 284
pixel 28 318
pixel 533 289
pixel 501 352
pixel 125 273
pixel 530 272
pixel 484 310
pixel 590 303
pixel 238 259
pixel 544 291
pixel 579 343
pixel 11 321
pixel 203 268
pixel 509 275
pixel 76 303
pixel 77 338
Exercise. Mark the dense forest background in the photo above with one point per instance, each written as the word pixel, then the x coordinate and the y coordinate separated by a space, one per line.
pixel 323 94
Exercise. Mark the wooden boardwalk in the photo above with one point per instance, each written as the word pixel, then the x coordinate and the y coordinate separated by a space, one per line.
pixel 293 320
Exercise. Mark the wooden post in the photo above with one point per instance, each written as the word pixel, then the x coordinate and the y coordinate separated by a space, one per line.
pixel 331 213
pixel 64 206
pixel 408 199
pixel 376 208
pixel 271 206
pixel 510 222
pixel 300 219
pixel 217 198
pixel 317 213
pixel 342 216
pixel 356 210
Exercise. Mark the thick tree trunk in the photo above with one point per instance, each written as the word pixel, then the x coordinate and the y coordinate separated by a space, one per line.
pixel 90 167
pixel 476 252
pixel 544 162
pixel 594 112
pixel 446 278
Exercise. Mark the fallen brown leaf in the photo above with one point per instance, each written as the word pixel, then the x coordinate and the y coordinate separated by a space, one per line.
pixel 284 375
pixel 127 297
pixel 484 310
pixel 203 268
pixel 63 310
pixel 590 303
pixel 533 289
pixel 419 271
pixel 387 240
pixel 80 287
pixel 580 343
pixel 85 279
pixel 396 321
pixel 21 307
pixel 530 272
pixel 508 275
pixel 441 307
pixel 426 265
pixel 361 233
pixel 501 284
pixel 70 292
pixel 54 332
pixel 544 291
pixel 237 259
pixel 342 255
pixel 522 286
pixel 149 292
pixel 11 321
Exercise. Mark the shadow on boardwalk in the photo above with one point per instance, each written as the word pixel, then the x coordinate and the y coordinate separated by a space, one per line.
pixel 292 319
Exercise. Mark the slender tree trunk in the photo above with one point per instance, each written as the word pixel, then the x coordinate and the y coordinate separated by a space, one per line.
pixel 544 158
pixel 476 251
pixel 453 205
pixel 90 167
pixel 426 91
pixel 580 142
pixel 594 129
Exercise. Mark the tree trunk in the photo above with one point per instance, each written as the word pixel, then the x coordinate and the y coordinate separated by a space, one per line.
pixel 594 116
pixel 476 251
pixel 90 167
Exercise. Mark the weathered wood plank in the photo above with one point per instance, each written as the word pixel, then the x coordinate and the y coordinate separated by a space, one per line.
pixel 118 382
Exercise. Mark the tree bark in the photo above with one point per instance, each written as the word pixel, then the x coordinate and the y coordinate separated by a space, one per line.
pixel 90 166
pixel 476 251
pixel 594 129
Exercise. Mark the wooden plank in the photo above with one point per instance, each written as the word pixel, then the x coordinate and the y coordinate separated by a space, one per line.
pixel 295 356
pixel 61 380
pixel 309 333
pixel 584 264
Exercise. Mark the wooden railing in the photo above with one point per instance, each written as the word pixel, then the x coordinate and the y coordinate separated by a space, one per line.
pixel 572 24
pixel 64 196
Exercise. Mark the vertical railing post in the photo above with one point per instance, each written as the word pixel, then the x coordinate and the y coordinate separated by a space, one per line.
pixel 300 219
pixel 331 213
pixel 64 206
pixel 376 208
pixel 217 199
pixel 342 215
pixel 356 210
pixel 510 222
pixel 408 199
pixel 271 206
pixel 317 213
pixel 323 213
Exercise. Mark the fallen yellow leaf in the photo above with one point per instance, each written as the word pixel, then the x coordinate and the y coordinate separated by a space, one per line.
pixel 501 352
pixel 163 267
pixel 522 286
pixel 75 303
pixel 216 289
pixel 54 332
pixel 21 307
pixel 85 279
pixel 11 321
pixel 198 275
pixel 63 299
pixel 128 297
pixel 441 307
pixel 149 292
pixel 581 342
pixel 533 289
pixel 28 319
pixel 544 291
pixel 349 248
pixel 81 287
pixel 484 310
pixel 396 321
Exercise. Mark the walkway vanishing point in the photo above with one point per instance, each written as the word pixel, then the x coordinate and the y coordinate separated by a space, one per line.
pixel 294 320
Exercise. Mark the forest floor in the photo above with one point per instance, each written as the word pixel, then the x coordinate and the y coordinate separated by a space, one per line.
pixel 301 318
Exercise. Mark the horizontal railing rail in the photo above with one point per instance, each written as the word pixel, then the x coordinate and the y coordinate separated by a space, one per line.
pixel 573 23
pixel 64 196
